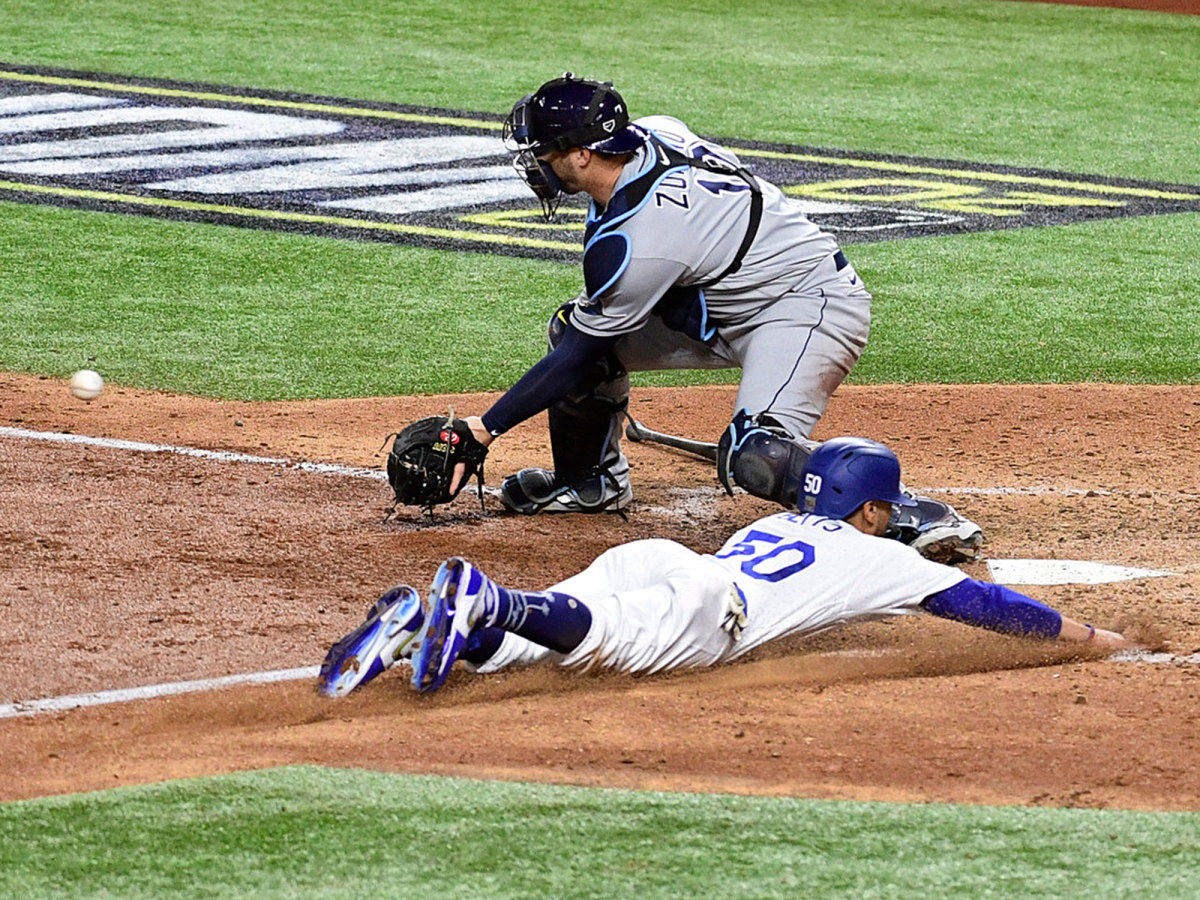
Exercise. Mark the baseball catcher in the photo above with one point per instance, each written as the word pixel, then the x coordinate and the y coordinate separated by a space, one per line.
pixel 423 466
pixel 690 261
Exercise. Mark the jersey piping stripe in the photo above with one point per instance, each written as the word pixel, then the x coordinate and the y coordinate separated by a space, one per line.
pixel 605 226
pixel 800 356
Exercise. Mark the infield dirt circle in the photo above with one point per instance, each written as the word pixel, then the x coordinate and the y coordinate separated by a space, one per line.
pixel 124 568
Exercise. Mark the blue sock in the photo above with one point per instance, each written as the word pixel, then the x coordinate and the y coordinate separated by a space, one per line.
pixel 482 644
pixel 554 620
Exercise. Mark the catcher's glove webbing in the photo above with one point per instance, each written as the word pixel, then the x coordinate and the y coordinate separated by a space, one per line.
pixel 420 466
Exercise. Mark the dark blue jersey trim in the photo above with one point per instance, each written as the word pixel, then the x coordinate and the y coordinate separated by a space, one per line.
pixel 604 261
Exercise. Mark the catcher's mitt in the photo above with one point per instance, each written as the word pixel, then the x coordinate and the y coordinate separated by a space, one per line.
pixel 420 466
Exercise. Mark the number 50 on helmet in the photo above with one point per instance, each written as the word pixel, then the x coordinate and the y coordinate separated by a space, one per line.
pixel 844 473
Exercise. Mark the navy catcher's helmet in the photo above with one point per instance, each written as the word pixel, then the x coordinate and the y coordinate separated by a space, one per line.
pixel 566 112
pixel 572 112
pixel 844 473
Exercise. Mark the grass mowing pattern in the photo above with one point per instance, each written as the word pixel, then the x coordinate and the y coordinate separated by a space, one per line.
pixel 239 314
pixel 308 832
pixel 259 315
pixel 1093 90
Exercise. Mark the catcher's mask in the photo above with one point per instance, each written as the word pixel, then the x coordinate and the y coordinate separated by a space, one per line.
pixel 566 112
pixel 844 473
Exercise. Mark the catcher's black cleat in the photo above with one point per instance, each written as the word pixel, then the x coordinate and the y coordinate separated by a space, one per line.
pixel 937 531
pixel 536 490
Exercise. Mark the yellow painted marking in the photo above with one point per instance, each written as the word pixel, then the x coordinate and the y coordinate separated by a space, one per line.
pixel 529 219
pixel 914 190
pixel 938 195
pixel 286 216
pixel 970 174
pixel 943 195
pixel 452 121
pixel 989 205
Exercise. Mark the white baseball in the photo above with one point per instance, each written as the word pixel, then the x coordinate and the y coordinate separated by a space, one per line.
pixel 86 384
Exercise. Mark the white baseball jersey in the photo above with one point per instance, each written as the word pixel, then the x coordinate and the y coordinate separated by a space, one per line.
pixel 658 605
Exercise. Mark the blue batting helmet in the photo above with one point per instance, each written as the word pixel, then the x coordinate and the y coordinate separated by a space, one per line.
pixel 844 473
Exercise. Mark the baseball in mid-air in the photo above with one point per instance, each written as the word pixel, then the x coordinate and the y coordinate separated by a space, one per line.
pixel 86 384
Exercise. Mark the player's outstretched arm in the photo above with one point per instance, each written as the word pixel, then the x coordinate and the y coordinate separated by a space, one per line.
pixel 1000 608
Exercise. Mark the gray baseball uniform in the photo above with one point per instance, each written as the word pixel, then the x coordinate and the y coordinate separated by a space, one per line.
pixel 794 316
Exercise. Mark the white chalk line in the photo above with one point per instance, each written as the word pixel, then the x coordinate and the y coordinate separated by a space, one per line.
pixel 379 475
pixel 215 455
pixel 149 692
pixel 75 701
pixel 154 691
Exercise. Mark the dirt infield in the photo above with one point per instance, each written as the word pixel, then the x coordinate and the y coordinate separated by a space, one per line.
pixel 124 568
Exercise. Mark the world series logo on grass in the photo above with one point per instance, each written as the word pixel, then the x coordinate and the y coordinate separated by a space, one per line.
pixel 439 178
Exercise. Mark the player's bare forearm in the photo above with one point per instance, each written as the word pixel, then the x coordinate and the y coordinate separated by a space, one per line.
pixel 475 423
pixel 1074 630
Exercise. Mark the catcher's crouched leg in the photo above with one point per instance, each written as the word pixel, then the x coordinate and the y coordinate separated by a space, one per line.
pixel 759 456
pixel 590 473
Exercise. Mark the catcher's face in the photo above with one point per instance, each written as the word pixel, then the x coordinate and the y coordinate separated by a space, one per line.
pixel 564 164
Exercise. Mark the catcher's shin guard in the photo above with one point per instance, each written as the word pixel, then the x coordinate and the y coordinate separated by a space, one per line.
pixel 590 472
pixel 759 456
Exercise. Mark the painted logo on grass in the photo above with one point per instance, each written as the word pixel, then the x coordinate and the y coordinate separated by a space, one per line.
pixel 440 178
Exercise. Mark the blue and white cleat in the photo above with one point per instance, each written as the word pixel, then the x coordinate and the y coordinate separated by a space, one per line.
pixel 375 645
pixel 456 603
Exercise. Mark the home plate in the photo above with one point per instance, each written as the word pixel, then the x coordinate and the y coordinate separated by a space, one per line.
pixel 1064 571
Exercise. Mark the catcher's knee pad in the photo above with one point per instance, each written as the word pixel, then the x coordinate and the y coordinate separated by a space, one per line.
pixel 757 455
pixel 558 323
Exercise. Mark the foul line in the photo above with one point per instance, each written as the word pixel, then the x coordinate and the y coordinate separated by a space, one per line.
pixel 217 455
pixel 102 698
pixel 154 691
pixel 379 475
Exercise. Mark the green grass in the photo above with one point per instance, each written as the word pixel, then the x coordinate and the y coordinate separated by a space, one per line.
pixel 1104 301
pixel 240 314
pixel 259 315
pixel 235 313
pixel 309 832
pixel 1092 90
pixel 246 314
